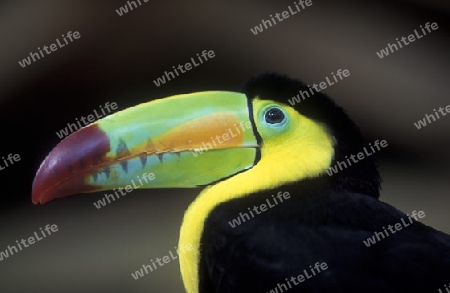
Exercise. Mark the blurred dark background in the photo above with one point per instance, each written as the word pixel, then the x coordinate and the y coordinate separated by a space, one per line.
pixel 118 57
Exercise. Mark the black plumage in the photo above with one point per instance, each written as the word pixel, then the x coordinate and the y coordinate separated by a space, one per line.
pixel 326 219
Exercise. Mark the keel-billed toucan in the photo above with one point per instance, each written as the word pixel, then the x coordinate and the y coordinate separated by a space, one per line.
pixel 255 146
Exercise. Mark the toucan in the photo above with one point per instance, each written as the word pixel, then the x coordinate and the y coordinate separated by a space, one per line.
pixel 269 218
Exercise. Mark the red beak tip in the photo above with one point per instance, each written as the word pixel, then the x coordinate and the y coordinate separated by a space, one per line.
pixel 36 200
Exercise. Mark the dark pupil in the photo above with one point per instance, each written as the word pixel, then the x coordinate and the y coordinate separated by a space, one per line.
pixel 274 116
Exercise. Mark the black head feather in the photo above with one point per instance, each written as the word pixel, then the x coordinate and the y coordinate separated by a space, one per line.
pixel 363 176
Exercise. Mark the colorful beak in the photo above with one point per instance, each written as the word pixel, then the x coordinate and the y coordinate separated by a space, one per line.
pixel 181 141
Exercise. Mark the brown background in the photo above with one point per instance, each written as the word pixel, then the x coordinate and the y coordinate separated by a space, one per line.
pixel 118 57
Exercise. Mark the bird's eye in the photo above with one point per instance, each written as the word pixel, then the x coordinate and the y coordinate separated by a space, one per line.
pixel 274 116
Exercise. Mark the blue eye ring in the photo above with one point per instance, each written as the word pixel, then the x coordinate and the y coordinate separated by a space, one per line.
pixel 274 116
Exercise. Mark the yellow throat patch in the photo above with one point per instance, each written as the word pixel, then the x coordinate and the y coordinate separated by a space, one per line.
pixel 303 149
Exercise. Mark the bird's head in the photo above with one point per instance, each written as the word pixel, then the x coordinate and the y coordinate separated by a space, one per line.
pixel 204 138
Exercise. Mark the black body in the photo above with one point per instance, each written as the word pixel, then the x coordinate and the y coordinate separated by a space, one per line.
pixel 319 224
pixel 326 219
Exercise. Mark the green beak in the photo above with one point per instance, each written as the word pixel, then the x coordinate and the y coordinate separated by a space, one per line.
pixel 181 141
